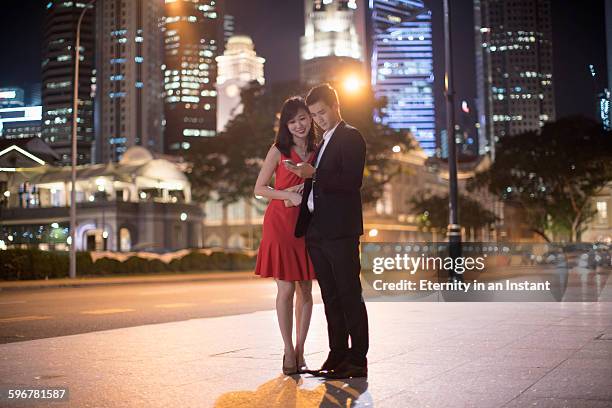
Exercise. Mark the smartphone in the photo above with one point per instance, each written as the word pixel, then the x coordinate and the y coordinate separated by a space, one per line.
pixel 290 162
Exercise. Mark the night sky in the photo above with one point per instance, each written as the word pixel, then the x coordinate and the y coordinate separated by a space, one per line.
pixel 276 27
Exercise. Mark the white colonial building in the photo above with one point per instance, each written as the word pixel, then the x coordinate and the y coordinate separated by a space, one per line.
pixel 140 203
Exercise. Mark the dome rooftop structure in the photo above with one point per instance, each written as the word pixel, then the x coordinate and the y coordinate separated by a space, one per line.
pixel 241 40
pixel 136 154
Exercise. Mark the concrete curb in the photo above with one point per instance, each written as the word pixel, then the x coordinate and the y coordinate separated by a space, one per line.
pixel 123 280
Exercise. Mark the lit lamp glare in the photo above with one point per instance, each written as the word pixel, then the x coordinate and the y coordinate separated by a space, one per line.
pixel 373 232
pixel 397 149
pixel 352 83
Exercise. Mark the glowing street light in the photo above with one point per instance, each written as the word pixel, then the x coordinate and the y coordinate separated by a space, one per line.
pixel 352 83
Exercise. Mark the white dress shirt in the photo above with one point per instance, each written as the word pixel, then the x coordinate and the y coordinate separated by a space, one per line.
pixel 326 138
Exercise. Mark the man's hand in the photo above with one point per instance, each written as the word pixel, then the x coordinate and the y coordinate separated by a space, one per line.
pixel 303 170
pixel 294 200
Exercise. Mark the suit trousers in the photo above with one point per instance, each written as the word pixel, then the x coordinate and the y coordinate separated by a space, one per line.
pixel 337 267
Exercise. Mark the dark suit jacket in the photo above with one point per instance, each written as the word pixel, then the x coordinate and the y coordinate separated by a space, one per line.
pixel 337 196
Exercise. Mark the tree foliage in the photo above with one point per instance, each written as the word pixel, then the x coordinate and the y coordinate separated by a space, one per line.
pixel 552 174
pixel 432 212
pixel 230 162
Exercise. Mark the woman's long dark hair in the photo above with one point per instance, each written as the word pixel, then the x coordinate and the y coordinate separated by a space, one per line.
pixel 284 138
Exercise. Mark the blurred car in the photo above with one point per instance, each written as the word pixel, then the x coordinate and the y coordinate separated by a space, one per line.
pixel 554 256
pixel 588 255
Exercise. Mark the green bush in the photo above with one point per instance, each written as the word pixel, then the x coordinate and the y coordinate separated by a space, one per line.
pixel 135 265
pixel 26 264
pixel 240 262
pixel 13 263
pixel 195 261
pixel 175 265
pixel 106 266
pixel 84 263
pixel 220 261
pixel 23 264
pixel 157 266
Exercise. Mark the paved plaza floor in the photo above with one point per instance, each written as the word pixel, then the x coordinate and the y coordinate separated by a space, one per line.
pixel 423 354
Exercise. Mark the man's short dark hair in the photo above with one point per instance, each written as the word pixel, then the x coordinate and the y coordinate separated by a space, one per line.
pixel 323 92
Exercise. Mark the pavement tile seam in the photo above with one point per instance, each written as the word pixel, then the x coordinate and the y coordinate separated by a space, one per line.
pixel 545 375
pixel 414 394
pixel 581 401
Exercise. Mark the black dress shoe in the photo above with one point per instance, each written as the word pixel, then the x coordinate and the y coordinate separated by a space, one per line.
pixel 346 370
pixel 329 364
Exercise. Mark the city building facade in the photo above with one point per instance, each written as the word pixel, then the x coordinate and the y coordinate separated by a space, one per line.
pixel 238 66
pixel 12 97
pixel 59 37
pixel 16 123
pixel 514 68
pixel 229 27
pixel 608 11
pixel 233 226
pixel 402 67
pixel 129 105
pixel 333 45
pixel 191 32
pixel 599 229
pixel 138 204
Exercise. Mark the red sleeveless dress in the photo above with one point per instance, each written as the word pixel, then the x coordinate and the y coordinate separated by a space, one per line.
pixel 281 255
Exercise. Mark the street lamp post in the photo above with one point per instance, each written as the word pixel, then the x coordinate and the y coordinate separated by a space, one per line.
pixel 454 229
pixel 75 103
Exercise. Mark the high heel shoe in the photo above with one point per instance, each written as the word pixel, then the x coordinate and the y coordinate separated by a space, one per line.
pixel 289 370
pixel 301 368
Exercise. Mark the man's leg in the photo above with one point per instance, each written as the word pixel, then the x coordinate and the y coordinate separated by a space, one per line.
pixel 345 266
pixel 336 326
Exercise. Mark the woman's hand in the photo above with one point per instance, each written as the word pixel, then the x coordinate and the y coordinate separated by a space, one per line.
pixel 303 170
pixel 294 200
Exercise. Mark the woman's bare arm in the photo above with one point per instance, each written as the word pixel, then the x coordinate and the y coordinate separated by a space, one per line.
pixel 262 187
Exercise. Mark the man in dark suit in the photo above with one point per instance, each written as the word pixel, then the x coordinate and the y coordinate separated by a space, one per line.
pixel 331 218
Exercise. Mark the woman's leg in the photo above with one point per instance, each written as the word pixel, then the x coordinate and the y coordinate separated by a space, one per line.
pixel 284 312
pixel 303 312
pixel 298 317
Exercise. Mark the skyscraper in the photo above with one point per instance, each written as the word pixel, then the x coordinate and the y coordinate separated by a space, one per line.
pixel 12 97
pixel 229 27
pixel 238 66
pixel 609 40
pixel 35 96
pixel 332 45
pixel 57 74
pixel 513 68
pixel 22 122
pixel 402 67
pixel 129 105
pixel 192 31
pixel 604 104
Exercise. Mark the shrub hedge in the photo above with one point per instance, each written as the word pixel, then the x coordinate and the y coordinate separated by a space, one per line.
pixel 26 264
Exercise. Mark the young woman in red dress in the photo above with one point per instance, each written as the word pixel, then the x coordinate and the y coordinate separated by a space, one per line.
pixel 281 255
